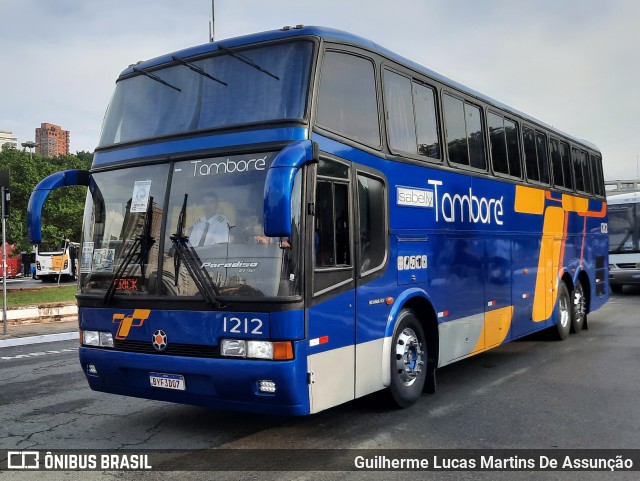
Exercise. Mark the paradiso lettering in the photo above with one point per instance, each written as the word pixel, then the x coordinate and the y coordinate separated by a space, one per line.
pixel 467 208
pixel 228 166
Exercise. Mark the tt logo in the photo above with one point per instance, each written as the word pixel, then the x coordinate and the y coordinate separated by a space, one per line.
pixel 127 322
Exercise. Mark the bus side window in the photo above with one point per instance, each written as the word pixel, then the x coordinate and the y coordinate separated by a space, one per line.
pixel 332 227
pixel 465 138
pixel 372 214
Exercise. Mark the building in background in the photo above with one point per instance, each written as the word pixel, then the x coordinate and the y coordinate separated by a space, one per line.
pixel 7 140
pixel 51 140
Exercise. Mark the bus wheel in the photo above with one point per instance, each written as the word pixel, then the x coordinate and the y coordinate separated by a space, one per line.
pixel 579 309
pixel 563 312
pixel 408 360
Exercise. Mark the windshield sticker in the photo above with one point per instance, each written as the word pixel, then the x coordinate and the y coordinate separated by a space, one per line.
pixel 140 196
pixel 85 260
pixel 103 259
pixel 228 166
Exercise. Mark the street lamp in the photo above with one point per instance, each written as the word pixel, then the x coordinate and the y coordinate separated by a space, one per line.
pixel 29 145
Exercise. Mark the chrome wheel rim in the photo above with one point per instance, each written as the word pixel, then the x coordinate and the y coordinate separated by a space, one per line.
pixel 580 304
pixel 564 311
pixel 409 356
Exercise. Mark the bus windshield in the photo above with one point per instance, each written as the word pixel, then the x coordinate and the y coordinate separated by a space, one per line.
pixel 624 228
pixel 202 236
pixel 233 87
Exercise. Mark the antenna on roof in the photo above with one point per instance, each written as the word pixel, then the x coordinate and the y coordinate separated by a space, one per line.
pixel 212 22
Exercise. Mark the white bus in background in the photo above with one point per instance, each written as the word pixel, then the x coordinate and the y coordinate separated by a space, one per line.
pixel 57 262
pixel 623 204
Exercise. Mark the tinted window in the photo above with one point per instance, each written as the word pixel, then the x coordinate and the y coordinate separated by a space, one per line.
pixel 556 164
pixel 543 158
pixel 426 123
pixel 566 165
pixel 347 100
pixel 372 215
pixel 577 169
pixel 530 157
pixel 597 175
pixel 455 130
pixel 475 136
pixel 498 144
pixel 513 149
pixel 465 139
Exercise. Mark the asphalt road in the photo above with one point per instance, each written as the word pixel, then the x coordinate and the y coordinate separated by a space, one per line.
pixel 29 283
pixel 535 393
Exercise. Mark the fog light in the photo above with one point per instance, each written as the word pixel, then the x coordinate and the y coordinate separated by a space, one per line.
pixel 91 369
pixel 260 349
pixel 233 347
pixel 267 386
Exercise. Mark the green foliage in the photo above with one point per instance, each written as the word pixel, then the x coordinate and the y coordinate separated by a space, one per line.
pixel 18 298
pixel 63 209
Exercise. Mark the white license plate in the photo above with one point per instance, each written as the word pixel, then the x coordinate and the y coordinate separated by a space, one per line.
pixel 167 381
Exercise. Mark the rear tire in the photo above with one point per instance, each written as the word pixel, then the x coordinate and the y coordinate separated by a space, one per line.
pixel 579 309
pixel 408 361
pixel 563 312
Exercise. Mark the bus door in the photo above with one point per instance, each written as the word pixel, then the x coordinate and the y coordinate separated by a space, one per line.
pixel 330 316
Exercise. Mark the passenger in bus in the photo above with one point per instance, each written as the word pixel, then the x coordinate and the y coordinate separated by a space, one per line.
pixel 212 228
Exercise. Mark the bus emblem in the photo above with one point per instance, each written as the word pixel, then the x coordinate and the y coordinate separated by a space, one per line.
pixel 159 340
pixel 127 322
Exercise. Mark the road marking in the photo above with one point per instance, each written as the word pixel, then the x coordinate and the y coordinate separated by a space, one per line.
pixel 35 354
pixel 23 341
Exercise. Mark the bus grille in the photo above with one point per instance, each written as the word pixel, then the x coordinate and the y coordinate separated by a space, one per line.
pixel 628 265
pixel 173 349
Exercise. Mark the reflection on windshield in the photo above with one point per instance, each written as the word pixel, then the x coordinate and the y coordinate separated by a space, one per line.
pixel 183 99
pixel 216 206
pixel 624 228
pixel 122 223
pixel 213 244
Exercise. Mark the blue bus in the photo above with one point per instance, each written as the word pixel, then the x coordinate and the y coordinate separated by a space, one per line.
pixel 285 221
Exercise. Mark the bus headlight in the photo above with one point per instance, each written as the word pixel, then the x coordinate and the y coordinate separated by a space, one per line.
pixel 233 347
pixel 260 350
pixel 279 351
pixel 97 338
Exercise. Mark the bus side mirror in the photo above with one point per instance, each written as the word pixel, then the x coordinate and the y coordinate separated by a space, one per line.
pixel 66 178
pixel 279 186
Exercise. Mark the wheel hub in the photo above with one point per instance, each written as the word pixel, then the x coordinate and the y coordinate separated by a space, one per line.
pixel 409 356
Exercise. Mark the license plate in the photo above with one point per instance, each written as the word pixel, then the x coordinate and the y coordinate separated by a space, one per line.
pixel 167 381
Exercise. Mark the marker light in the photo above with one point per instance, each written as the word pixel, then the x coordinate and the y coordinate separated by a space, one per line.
pixel 91 369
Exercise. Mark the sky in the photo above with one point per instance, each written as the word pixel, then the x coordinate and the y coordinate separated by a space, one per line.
pixel 573 64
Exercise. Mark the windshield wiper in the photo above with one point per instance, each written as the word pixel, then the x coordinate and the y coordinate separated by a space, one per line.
pixel 246 60
pixel 619 248
pixel 185 253
pixel 139 251
pixel 198 70
pixel 155 77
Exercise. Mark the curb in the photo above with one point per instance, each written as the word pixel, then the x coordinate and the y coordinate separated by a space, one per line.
pixel 43 313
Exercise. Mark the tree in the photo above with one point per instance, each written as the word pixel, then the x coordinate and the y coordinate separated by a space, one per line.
pixel 62 211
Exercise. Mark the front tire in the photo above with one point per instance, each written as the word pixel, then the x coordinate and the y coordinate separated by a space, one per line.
pixel 408 360
pixel 563 312
pixel 579 309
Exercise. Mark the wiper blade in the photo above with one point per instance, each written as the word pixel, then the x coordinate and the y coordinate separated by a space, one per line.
pixel 155 77
pixel 198 70
pixel 139 251
pixel 626 238
pixel 246 60
pixel 185 253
